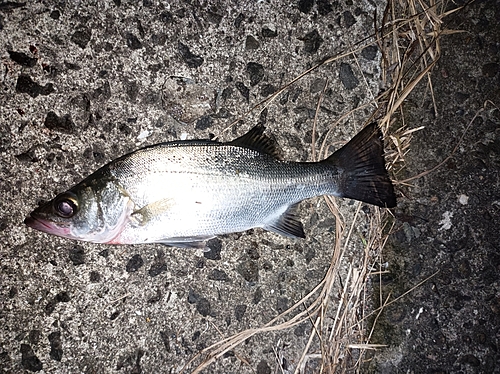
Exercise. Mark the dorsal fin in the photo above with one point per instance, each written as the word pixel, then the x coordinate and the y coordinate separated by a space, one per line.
pixel 256 140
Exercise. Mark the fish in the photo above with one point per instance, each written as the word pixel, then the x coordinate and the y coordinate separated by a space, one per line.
pixel 183 193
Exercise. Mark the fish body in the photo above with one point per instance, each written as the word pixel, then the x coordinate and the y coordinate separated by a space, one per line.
pixel 186 192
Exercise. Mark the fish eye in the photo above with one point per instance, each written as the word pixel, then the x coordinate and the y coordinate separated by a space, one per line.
pixel 66 206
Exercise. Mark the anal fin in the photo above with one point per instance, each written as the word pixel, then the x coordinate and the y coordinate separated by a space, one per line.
pixel 287 224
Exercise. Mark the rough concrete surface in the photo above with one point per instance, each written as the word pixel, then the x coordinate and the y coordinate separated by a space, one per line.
pixel 84 82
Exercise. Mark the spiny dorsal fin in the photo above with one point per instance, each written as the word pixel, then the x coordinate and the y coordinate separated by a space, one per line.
pixel 256 140
pixel 287 224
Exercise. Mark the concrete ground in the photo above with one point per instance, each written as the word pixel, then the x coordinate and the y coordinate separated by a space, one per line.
pixel 85 82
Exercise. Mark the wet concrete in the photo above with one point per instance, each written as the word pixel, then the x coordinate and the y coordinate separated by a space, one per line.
pixel 447 227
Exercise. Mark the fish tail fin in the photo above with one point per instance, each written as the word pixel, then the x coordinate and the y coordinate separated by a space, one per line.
pixel 363 175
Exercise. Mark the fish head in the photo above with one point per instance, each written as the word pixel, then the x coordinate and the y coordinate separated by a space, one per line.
pixel 94 213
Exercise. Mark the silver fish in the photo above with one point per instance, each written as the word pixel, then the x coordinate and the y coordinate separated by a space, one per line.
pixel 183 193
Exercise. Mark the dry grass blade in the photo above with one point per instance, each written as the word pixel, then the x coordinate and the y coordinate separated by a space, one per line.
pixel 409 39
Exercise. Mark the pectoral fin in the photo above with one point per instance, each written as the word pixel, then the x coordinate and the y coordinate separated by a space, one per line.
pixel 287 224
pixel 143 215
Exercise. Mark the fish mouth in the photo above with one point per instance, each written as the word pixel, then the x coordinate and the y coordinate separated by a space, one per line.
pixel 45 226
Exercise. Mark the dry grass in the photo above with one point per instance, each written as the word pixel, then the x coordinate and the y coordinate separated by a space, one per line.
pixel 408 38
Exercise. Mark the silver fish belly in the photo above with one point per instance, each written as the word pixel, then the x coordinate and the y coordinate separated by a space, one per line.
pixel 184 193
